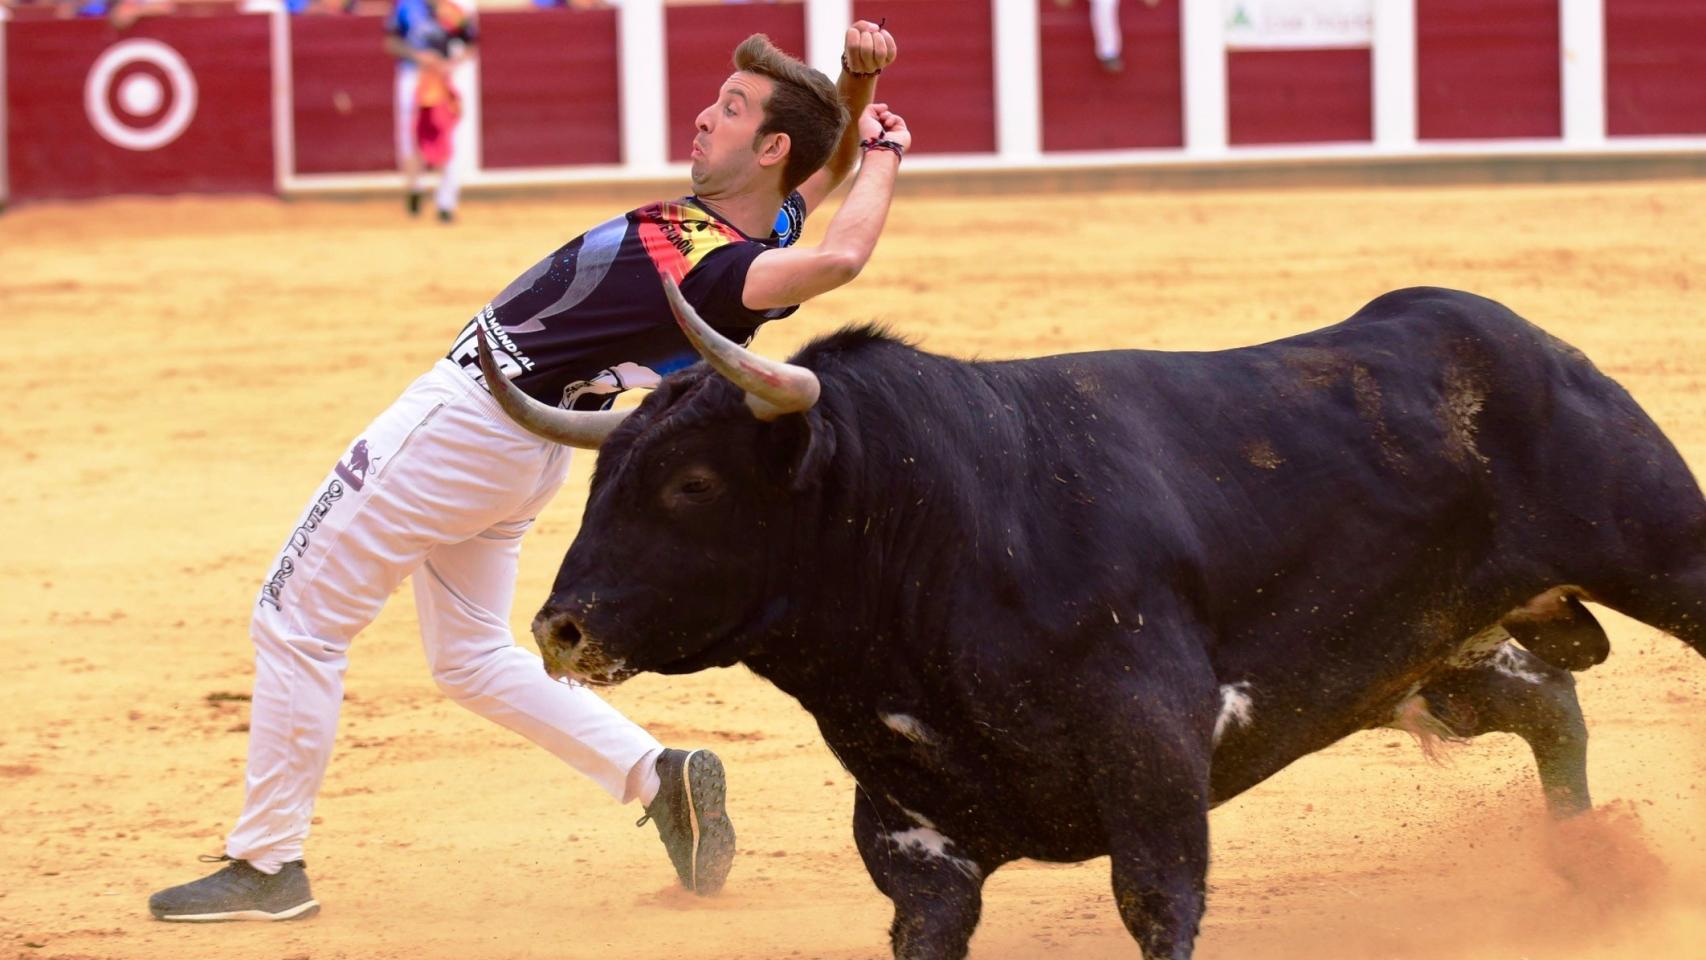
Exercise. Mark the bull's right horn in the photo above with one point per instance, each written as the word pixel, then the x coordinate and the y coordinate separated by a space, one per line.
pixel 772 388
pixel 575 428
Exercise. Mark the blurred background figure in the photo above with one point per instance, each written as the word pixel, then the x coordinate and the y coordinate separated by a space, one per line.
pixel 576 4
pixel 429 38
pixel 298 7
pixel 123 14
pixel 1105 25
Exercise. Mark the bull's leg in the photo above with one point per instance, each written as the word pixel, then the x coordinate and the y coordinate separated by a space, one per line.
pixel 937 890
pixel 1673 600
pixel 1152 792
pixel 1517 692
pixel 1556 627
pixel 1159 870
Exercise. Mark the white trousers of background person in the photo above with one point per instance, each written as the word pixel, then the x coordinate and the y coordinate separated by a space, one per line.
pixel 441 486
pixel 450 178
pixel 1105 27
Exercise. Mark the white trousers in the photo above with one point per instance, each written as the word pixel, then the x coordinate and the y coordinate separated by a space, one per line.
pixel 442 486
pixel 450 178
pixel 1105 27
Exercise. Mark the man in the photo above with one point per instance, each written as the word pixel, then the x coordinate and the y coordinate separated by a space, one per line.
pixel 442 485
pixel 430 39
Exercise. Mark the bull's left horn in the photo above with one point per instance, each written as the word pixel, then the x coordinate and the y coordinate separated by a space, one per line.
pixel 575 428
pixel 772 388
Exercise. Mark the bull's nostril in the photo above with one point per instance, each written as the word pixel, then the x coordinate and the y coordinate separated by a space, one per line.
pixel 556 626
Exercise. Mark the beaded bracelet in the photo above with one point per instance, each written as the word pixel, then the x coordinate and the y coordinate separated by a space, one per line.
pixel 882 143
pixel 848 69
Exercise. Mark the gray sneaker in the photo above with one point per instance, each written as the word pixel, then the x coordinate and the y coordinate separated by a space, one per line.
pixel 238 892
pixel 688 812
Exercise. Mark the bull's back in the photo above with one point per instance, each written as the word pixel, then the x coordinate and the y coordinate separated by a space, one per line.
pixel 1266 445
pixel 1342 481
pixel 1423 399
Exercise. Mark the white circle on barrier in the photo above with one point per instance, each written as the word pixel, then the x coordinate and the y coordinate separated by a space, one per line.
pixel 140 94
pixel 140 87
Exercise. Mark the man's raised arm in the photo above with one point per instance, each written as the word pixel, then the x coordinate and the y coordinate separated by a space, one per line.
pixel 791 275
pixel 869 48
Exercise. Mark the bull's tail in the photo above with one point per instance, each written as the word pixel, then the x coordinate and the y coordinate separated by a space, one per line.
pixel 1416 718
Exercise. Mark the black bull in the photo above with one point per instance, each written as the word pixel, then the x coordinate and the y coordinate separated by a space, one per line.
pixel 1059 608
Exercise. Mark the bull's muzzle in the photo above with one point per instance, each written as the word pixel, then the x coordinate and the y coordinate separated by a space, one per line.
pixel 570 655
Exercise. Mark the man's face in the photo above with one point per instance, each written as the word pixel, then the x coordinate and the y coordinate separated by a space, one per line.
pixel 724 153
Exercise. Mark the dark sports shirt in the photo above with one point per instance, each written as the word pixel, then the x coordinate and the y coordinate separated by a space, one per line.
pixel 590 320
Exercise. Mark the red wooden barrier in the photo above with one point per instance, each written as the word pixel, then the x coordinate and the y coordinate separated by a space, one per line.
pixel 550 88
pixel 1655 67
pixel 1299 96
pixel 343 86
pixel 701 40
pixel 944 83
pixel 1487 68
pixel 1087 108
pixel 171 105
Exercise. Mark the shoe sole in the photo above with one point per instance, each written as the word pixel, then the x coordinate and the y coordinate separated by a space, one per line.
pixel 713 834
pixel 301 911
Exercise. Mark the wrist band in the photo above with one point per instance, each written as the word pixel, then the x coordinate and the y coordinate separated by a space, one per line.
pixel 848 69
pixel 882 143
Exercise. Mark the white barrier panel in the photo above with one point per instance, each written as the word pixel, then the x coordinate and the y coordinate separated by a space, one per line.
pixel 645 150
pixel 1204 47
pixel 1395 75
pixel 1582 61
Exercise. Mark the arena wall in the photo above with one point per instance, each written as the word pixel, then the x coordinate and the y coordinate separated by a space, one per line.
pixel 265 102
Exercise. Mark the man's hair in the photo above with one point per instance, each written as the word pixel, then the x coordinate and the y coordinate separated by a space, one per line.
pixel 803 104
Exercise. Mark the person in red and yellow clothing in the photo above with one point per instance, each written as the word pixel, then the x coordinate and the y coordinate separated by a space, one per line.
pixel 430 39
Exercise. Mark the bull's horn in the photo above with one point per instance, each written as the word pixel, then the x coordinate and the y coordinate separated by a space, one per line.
pixel 575 428
pixel 772 388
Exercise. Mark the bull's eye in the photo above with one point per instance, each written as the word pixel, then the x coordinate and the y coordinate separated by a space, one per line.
pixel 691 487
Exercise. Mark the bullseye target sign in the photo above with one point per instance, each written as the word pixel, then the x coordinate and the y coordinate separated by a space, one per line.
pixel 140 95
pixel 170 105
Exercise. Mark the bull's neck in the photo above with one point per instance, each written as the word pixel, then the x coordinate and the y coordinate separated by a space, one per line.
pixel 888 547
pixel 873 606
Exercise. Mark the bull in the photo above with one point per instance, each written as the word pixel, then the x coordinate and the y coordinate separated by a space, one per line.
pixel 1059 608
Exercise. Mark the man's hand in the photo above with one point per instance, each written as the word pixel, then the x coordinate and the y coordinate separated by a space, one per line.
pixel 878 121
pixel 869 47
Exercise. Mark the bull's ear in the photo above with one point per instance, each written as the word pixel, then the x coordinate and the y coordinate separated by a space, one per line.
pixel 812 447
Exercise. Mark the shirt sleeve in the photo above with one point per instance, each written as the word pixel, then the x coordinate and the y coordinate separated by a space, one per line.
pixel 716 285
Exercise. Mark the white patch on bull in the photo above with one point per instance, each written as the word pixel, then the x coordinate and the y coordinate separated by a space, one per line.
pixel 1508 661
pixel 907 726
pixel 1479 647
pixel 918 818
pixel 927 842
pixel 1413 716
pixel 1235 708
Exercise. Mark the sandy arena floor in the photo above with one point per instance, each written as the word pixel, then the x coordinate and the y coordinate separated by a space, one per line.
pixel 185 370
